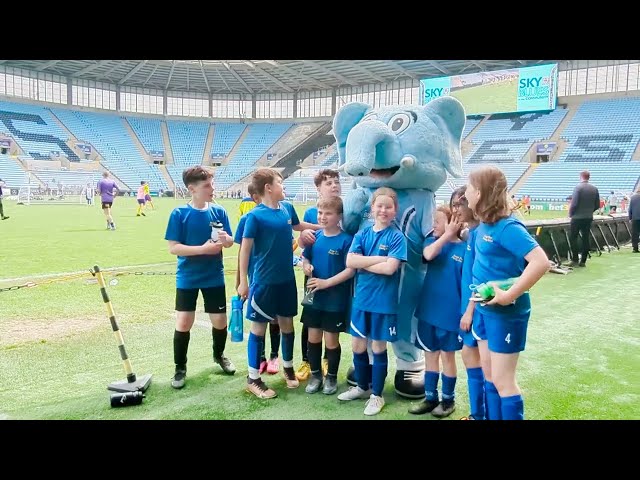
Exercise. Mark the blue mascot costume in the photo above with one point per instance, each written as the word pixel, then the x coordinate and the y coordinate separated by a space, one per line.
pixel 409 148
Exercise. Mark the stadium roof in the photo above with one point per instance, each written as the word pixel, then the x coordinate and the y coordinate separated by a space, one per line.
pixel 258 76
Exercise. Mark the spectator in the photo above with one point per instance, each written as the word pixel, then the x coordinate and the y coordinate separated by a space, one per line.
pixel 634 217
pixel 584 201
pixel 2 215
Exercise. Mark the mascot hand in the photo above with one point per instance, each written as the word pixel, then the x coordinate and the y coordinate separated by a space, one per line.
pixel 355 205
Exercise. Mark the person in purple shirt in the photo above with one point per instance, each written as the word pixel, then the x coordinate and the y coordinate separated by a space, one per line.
pixel 105 188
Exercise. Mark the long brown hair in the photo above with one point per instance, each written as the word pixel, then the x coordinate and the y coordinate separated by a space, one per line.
pixel 492 185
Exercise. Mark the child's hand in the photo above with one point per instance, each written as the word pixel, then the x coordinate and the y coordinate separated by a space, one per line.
pixel 211 248
pixel 243 290
pixel 465 321
pixel 307 238
pixel 307 268
pixel 501 297
pixel 223 237
pixel 317 284
pixel 452 228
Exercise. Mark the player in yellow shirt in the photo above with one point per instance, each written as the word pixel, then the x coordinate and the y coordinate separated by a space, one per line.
pixel 147 196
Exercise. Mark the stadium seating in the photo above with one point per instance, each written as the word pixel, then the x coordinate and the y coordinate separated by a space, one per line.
pixel 11 173
pixel 107 133
pixel 603 131
pixel 554 181
pixel 35 130
pixel 149 132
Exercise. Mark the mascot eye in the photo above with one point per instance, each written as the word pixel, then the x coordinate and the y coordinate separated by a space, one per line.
pixel 399 122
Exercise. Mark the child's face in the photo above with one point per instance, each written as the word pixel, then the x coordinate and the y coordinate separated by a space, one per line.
pixel 276 189
pixel 330 188
pixel 460 209
pixel 328 218
pixel 383 209
pixel 473 196
pixel 439 223
pixel 202 190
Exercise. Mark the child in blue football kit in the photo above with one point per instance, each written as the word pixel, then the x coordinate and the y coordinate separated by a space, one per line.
pixel 503 249
pixel 194 236
pixel 327 182
pixel 470 353
pixel 438 313
pixel 330 286
pixel 272 365
pixel 273 294
pixel 376 253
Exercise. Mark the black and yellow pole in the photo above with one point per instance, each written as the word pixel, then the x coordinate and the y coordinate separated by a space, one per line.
pixel 131 383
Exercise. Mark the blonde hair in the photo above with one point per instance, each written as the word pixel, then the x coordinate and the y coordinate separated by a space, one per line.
pixel 385 192
pixel 333 203
pixel 493 204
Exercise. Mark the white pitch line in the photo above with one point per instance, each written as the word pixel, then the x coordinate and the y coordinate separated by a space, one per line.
pixel 63 274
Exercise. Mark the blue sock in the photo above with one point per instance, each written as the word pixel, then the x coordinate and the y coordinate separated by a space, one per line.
pixel 431 386
pixel 287 346
pixel 475 382
pixel 363 372
pixel 448 388
pixel 379 373
pixel 493 404
pixel 512 408
pixel 254 349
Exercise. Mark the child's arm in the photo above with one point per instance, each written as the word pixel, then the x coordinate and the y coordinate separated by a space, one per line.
pixel 388 267
pixel 450 233
pixel 465 321
pixel 307 268
pixel 537 267
pixel 245 252
pixel 307 237
pixel 238 269
pixel 321 284
pixel 355 260
pixel 208 248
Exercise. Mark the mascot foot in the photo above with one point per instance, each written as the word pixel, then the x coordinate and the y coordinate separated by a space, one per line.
pixel 351 376
pixel 409 383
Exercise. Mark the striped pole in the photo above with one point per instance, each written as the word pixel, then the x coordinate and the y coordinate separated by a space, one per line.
pixel 131 383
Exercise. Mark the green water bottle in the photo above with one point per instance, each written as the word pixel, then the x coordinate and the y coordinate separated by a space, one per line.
pixel 485 292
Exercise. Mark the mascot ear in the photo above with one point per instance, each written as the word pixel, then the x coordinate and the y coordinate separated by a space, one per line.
pixel 450 113
pixel 346 118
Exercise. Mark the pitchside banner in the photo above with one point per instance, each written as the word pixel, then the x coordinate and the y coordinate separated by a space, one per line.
pixel 527 89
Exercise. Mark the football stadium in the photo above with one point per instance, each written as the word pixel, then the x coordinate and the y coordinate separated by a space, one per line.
pixel 106 167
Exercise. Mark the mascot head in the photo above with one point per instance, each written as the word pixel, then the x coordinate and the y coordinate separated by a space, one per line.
pixel 403 146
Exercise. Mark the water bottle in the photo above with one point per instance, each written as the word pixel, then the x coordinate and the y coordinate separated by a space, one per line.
pixel 215 228
pixel 235 324
pixel 485 291
pixel 127 398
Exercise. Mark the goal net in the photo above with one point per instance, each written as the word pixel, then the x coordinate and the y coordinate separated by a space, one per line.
pixel 65 195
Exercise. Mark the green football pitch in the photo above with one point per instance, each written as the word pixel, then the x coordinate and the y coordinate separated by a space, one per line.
pixel 494 97
pixel 59 354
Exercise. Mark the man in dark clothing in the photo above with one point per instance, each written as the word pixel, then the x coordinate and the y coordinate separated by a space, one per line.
pixel 584 201
pixel 634 218
pixel 2 215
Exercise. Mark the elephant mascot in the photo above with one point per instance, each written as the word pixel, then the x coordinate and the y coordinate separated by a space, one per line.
pixel 409 148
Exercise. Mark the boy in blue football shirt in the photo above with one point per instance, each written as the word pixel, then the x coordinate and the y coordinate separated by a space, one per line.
pixel 329 281
pixel 376 253
pixel 327 182
pixel 438 313
pixel 273 295
pixel 270 366
pixel 195 237
pixel 504 249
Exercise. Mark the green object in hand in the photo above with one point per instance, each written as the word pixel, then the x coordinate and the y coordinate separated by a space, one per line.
pixel 484 291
